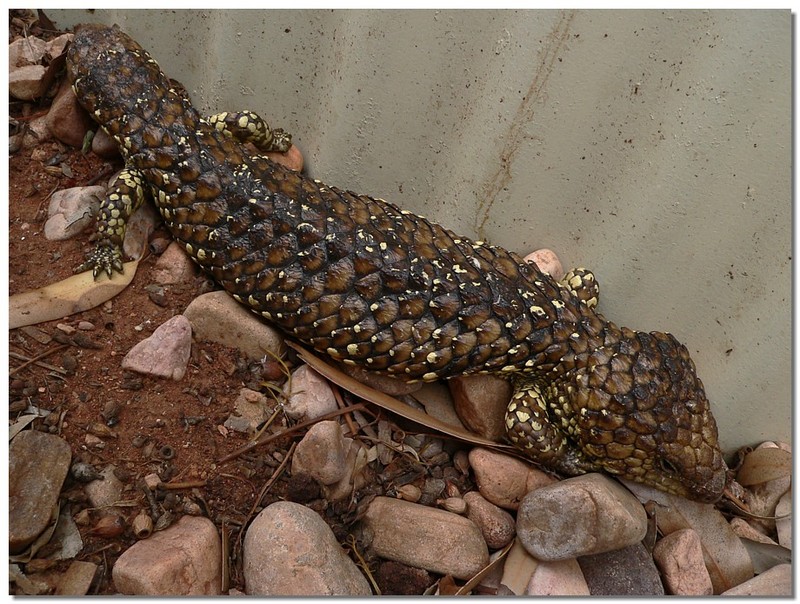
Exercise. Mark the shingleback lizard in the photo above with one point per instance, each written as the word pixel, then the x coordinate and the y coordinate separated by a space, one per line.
pixel 370 284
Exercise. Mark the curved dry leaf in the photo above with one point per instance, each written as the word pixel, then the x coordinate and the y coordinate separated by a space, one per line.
pixel 72 295
pixel 389 402
pixel 763 465
pixel 766 555
pixel 475 581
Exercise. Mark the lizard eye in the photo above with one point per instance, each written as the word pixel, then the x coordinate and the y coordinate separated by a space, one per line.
pixel 667 466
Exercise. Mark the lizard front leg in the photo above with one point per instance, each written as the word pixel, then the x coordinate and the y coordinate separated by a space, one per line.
pixel 123 198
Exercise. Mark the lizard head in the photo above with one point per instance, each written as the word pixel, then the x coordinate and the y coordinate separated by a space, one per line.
pixel 642 414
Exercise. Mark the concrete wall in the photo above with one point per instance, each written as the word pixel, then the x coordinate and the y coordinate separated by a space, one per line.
pixel 651 146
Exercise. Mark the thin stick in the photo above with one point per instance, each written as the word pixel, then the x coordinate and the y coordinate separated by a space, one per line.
pixel 36 360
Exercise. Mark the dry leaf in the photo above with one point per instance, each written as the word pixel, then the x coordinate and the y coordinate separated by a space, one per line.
pixel 390 403
pixel 72 295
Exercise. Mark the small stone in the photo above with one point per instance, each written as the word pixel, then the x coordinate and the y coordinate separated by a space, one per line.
pixel 24 82
pixel 424 537
pixel 38 465
pixel 309 395
pixel 497 526
pixel 321 453
pixel 629 571
pixel 289 550
pixel 679 555
pixel 67 120
pixel 106 491
pixel 174 266
pixel 584 515
pixel 37 133
pixel 152 481
pixel 505 480
pixel 250 409
pixel 557 578
pixel 775 582
pixel 85 326
pixel 182 560
pixel 71 211
pixel 77 580
pixel 480 402
pixel 409 492
pixel 165 353
pixel 216 317
pixel 546 261
pixel 66 328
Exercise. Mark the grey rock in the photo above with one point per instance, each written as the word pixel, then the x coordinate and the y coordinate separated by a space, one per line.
pixel 106 491
pixel 289 550
pixel 583 515
pixel 309 395
pixel 38 465
pixel 71 211
pixel 23 51
pixel 629 571
pixel 165 353
pixel 322 453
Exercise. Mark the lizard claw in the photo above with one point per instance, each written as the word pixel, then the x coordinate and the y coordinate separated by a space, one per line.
pixel 281 141
pixel 105 257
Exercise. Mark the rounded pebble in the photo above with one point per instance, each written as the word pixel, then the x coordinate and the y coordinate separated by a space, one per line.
pixel 679 556
pixel 584 515
pixel 322 453
pixel 505 480
pixel 309 395
pixel 425 537
pixel 497 526
pixel 289 550
pixel 547 261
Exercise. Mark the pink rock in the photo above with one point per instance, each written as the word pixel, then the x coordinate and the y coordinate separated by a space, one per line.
pixel 289 550
pixel 165 353
pixel 547 261
pixel 103 145
pixel 497 525
pixel 183 560
pixel 558 578
pixel 505 480
pixel 57 45
pixel 679 556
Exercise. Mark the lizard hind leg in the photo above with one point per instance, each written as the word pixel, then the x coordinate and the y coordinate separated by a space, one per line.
pixel 530 428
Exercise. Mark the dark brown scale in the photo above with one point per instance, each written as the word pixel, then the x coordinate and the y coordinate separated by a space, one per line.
pixel 365 282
